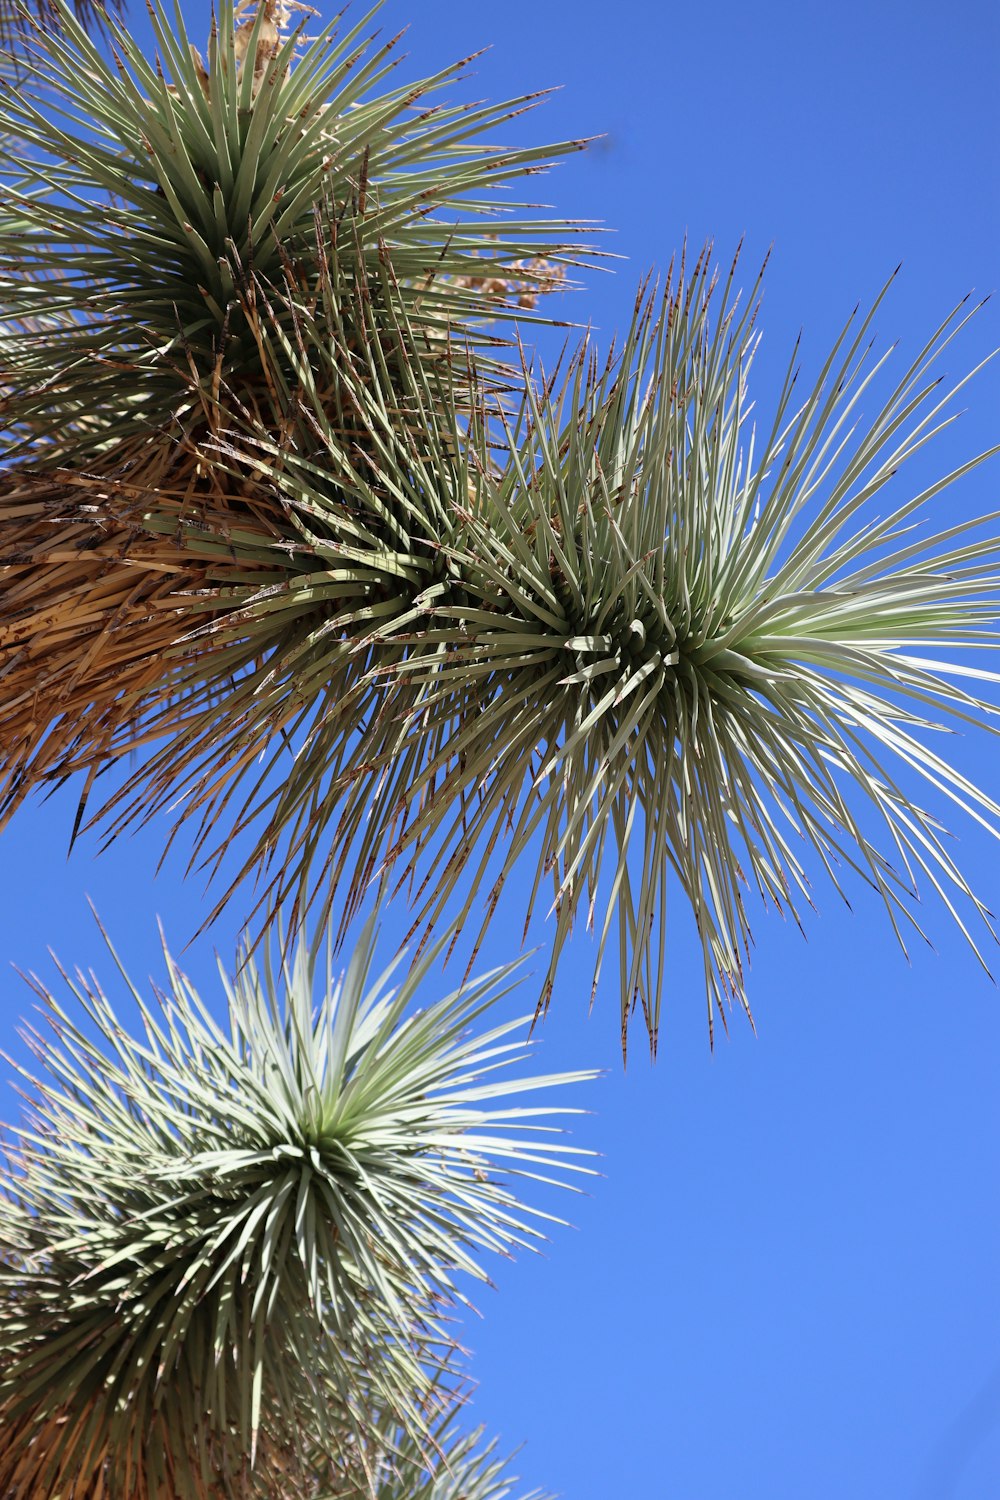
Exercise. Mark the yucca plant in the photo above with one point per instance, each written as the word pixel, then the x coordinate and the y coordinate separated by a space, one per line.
pixel 647 643
pixel 597 625
pixel 229 1251
pixel 156 212
pixel 676 652
pixel 150 203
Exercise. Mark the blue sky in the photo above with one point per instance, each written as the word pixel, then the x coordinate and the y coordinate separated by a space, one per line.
pixel 784 1283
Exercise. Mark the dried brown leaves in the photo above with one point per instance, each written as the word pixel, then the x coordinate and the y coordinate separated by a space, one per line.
pixel 100 591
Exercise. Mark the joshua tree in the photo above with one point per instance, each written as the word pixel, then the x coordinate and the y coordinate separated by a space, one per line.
pixel 229 1252
pixel 288 511
pixel 272 484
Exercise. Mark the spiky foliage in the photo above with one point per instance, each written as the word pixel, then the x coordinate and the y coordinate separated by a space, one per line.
pixel 18 21
pixel 609 632
pixel 689 653
pixel 151 204
pixel 230 1249
pixel 156 214
pixel 650 646
pixel 466 1468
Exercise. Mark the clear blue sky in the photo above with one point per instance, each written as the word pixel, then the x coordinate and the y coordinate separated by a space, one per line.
pixel 785 1284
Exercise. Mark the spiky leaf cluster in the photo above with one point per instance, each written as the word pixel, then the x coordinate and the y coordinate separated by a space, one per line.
pixel 702 657
pixel 647 649
pixel 228 1249
pixel 607 633
pixel 151 203
pixel 167 225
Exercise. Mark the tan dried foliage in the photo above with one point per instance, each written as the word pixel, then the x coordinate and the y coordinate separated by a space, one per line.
pixel 95 1470
pixel 94 603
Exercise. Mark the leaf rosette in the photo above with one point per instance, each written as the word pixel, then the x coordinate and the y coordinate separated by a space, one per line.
pixel 230 1251
pixel 369 618
pixel 641 647
pixel 151 205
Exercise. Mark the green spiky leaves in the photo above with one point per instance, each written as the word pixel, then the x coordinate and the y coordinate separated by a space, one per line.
pixel 640 651
pixel 694 651
pixel 162 197
pixel 230 1250
pixel 372 620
